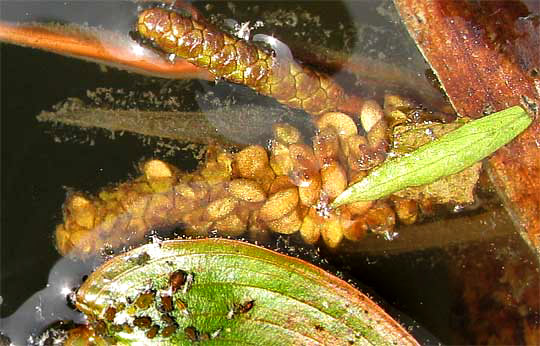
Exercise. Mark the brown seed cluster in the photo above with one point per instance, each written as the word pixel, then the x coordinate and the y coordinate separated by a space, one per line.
pixel 285 189
pixel 240 61
pixel 158 310
pixel 104 323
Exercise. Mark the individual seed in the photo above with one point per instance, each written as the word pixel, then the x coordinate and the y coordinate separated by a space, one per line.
pixel 217 191
pixel 266 178
pixel 115 328
pixel 177 279
pixel 281 182
pixel 381 217
pixel 310 189
pixel 215 173
pixel 144 300
pixel 245 307
pixel 355 149
pixel 155 169
pixel 310 230
pixel 135 202
pixel 358 208
pixel 166 303
pixel 186 191
pixel 370 114
pixel 168 330
pixel 356 176
pixel 280 159
pixel 231 225
pixel 334 179
pixel 191 333
pixel 286 133
pixel 161 184
pixel 288 224
pixel 143 322
pixel 427 206
pixel 255 225
pixel 82 210
pixel 152 332
pixel 63 241
pixel 326 146
pixel 354 228
pixel 225 159
pixel 244 209
pixel 406 210
pixel 157 210
pixel 100 327
pixel 167 319
pixel 127 328
pixel 342 123
pixel 303 158
pixel 332 232
pixel 392 101
pixel 221 208
pixel 365 153
pixel 378 137
pixel 109 314
pixel 279 204
pixel 195 222
pixel 251 162
pixel 247 190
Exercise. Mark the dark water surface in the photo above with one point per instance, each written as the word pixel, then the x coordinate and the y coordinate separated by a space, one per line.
pixel 39 164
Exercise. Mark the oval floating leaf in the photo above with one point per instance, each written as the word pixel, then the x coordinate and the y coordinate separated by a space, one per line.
pixel 444 156
pixel 228 292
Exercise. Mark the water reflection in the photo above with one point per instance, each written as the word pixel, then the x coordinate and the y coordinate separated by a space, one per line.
pixel 48 305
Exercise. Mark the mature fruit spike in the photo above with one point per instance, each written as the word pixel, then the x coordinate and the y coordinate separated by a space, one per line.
pixel 285 190
pixel 240 294
pixel 230 194
pixel 240 61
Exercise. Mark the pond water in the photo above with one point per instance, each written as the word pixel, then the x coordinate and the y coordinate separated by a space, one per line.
pixel 422 277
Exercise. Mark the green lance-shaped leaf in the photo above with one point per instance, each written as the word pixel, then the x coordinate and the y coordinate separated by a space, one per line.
pixel 228 292
pixel 447 155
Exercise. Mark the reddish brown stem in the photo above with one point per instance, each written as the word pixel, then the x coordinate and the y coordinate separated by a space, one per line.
pixel 107 47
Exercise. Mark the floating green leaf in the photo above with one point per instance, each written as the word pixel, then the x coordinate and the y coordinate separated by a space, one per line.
pixel 447 155
pixel 228 293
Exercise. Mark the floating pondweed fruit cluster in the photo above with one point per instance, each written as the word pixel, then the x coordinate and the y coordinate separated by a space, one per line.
pixel 226 292
pixel 240 61
pixel 286 188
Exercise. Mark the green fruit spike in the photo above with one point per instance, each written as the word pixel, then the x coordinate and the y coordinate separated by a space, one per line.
pixel 447 155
